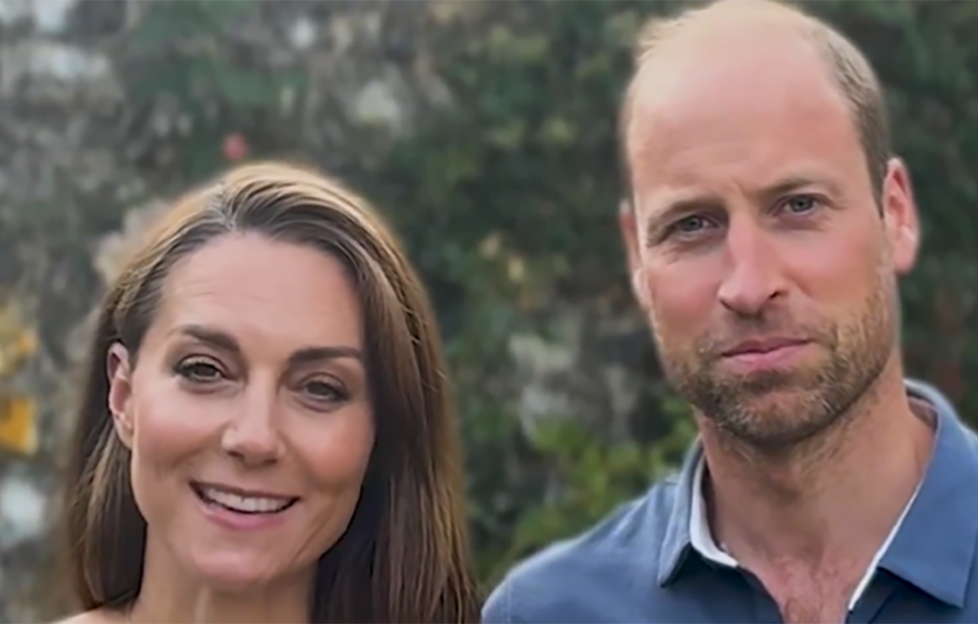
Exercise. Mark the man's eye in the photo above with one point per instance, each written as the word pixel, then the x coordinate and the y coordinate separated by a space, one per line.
pixel 686 230
pixel 691 224
pixel 800 204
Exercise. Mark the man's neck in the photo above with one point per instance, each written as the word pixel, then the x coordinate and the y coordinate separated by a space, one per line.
pixel 838 498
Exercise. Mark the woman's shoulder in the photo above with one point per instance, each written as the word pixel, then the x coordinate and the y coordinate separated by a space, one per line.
pixel 95 616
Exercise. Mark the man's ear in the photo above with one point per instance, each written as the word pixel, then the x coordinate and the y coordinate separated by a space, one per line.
pixel 119 373
pixel 900 216
pixel 628 227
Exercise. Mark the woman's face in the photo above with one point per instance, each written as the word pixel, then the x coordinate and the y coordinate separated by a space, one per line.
pixel 247 413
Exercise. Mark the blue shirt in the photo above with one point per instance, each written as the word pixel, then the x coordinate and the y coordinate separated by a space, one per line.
pixel 639 563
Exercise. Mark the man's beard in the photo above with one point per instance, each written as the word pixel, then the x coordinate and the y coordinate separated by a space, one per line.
pixel 775 410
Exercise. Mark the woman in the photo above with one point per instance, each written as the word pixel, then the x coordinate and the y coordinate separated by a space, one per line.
pixel 266 433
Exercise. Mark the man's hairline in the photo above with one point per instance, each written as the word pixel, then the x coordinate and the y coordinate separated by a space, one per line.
pixel 816 34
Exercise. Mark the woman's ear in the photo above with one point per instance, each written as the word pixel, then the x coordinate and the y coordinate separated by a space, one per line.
pixel 120 392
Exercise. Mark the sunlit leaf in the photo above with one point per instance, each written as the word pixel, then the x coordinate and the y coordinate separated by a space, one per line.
pixel 18 425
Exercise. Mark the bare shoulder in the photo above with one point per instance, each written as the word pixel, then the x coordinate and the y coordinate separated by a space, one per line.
pixel 88 617
pixel 96 616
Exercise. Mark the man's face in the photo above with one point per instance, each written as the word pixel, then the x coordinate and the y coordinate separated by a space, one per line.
pixel 756 241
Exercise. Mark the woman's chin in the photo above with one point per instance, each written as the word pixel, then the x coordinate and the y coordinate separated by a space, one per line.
pixel 235 571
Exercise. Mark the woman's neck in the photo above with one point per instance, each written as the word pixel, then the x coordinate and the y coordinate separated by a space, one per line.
pixel 171 595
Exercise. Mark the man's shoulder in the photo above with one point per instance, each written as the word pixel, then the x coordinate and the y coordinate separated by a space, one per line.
pixel 971 434
pixel 573 578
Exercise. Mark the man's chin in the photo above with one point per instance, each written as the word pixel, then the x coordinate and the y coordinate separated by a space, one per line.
pixel 773 382
pixel 776 418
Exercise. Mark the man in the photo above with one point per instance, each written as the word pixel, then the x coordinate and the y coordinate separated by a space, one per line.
pixel 767 227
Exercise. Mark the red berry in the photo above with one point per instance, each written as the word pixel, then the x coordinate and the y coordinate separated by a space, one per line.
pixel 235 147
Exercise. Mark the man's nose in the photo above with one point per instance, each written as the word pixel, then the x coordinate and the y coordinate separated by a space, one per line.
pixel 753 277
pixel 252 435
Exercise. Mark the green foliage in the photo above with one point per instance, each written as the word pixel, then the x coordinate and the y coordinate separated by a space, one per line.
pixel 507 203
pixel 587 480
pixel 189 56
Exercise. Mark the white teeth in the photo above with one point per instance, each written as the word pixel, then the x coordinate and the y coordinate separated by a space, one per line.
pixel 245 504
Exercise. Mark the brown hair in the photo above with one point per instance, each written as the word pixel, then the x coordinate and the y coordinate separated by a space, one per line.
pixel 850 69
pixel 405 556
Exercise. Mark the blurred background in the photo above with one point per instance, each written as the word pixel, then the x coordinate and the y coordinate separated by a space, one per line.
pixel 486 132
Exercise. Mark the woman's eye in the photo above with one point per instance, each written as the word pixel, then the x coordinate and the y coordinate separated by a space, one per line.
pixel 199 371
pixel 325 391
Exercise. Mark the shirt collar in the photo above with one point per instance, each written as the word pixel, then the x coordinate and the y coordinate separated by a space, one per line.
pixel 702 541
pixel 676 544
pixel 934 546
pixel 700 535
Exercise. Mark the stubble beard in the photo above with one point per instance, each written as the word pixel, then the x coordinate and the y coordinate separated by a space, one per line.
pixel 775 411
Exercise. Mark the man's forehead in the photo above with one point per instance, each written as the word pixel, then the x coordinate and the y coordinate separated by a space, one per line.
pixel 727 63
pixel 715 74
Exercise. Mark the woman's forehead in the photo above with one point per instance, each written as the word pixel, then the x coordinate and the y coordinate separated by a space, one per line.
pixel 248 283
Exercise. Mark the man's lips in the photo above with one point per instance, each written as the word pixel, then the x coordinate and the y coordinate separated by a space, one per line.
pixel 762 346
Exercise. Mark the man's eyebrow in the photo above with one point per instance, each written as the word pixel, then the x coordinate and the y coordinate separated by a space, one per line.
pixel 306 355
pixel 790 184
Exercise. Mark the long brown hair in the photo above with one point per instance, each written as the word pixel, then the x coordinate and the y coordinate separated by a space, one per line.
pixel 405 556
